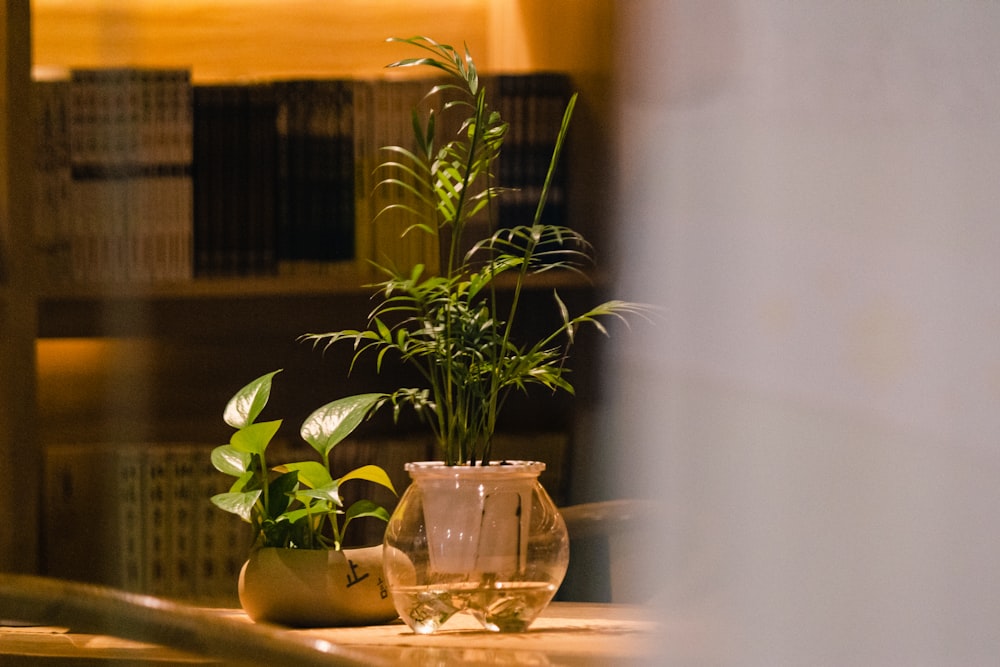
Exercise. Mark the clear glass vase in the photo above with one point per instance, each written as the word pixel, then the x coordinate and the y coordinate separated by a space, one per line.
pixel 483 540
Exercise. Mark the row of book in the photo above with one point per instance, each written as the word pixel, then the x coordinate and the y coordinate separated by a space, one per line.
pixel 112 175
pixel 142 176
pixel 138 516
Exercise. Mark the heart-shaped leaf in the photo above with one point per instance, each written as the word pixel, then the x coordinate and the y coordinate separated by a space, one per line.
pixel 311 473
pixel 366 508
pixel 254 438
pixel 231 461
pixel 280 493
pixel 330 492
pixel 371 473
pixel 244 408
pixel 333 422
pixel 240 504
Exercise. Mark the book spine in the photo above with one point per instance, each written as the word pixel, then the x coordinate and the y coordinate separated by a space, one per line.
pixel 293 164
pixel 235 250
pixel 128 129
pixel 363 98
pixel 182 468
pixel 397 243
pixel 513 167
pixel 261 146
pixel 221 539
pixel 315 175
pixel 157 522
pixel 129 464
pixel 533 105
pixel 554 91
pixel 344 206
pixel 385 229
pixel 50 229
pixel 206 103
pixel 221 187
pixel 173 205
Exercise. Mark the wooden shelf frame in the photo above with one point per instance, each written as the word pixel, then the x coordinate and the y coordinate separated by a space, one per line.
pixel 184 310
pixel 20 453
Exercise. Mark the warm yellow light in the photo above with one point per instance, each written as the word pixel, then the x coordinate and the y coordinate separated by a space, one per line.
pixel 238 39
pixel 81 380
pixel 57 356
pixel 95 357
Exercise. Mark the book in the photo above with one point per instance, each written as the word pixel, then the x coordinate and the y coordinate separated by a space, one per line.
pixel 182 464
pixel 129 205
pixel 234 146
pixel 157 526
pixel 142 176
pixel 389 233
pixel 93 524
pixel 138 516
pixel 222 540
pixel 315 174
pixel 533 104
pixel 52 177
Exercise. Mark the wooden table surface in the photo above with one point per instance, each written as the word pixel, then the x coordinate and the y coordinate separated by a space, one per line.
pixel 565 634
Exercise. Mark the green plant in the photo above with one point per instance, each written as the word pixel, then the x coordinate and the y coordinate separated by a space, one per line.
pixel 293 505
pixel 447 321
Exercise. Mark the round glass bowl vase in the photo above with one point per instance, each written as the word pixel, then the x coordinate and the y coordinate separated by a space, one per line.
pixel 481 540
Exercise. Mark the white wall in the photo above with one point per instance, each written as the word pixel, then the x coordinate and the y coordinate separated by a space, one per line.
pixel 811 191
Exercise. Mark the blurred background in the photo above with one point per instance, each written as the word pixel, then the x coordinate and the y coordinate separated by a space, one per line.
pixel 807 193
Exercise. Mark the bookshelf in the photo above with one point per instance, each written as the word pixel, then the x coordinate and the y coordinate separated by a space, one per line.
pixel 156 362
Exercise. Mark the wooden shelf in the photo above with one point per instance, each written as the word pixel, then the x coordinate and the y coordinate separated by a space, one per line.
pixel 221 307
pixel 347 279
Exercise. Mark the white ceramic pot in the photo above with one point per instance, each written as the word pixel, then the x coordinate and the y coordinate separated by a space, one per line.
pixel 316 588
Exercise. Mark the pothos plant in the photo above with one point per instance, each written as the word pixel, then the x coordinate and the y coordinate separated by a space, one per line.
pixel 447 321
pixel 298 504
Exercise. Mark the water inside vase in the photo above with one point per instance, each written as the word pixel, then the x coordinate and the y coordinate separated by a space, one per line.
pixel 498 606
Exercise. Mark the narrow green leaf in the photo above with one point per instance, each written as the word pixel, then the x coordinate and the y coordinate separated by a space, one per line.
pixel 383 330
pixel 569 326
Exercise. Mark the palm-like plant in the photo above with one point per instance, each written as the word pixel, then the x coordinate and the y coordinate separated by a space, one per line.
pixel 447 321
